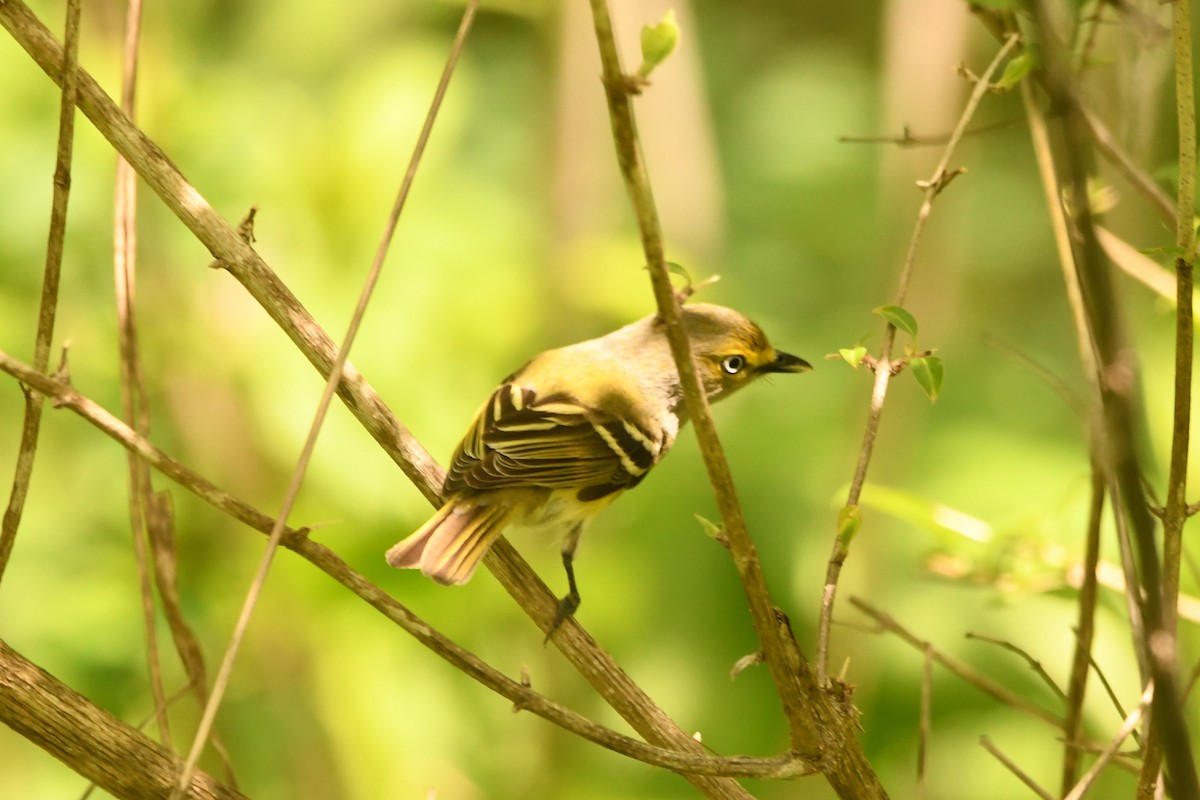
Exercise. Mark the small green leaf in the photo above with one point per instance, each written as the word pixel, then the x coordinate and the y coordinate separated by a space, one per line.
pixel 853 355
pixel 849 520
pixel 658 42
pixel 928 372
pixel 900 318
pixel 713 530
pixel 1015 71
pixel 680 270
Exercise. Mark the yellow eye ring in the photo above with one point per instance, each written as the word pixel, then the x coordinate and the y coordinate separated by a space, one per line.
pixel 733 364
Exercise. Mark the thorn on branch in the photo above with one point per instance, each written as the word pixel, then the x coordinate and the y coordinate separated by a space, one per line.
pixel 245 232
pixel 744 663
pixel 518 706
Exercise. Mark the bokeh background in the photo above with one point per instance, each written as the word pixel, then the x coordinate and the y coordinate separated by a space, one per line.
pixel 518 237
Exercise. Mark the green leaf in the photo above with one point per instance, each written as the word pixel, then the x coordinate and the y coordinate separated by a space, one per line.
pixel 680 270
pixel 1015 70
pixel 853 355
pixel 928 372
pixel 712 530
pixel 900 318
pixel 658 42
pixel 849 520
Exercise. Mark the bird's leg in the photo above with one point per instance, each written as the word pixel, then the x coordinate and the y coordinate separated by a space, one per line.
pixel 569 604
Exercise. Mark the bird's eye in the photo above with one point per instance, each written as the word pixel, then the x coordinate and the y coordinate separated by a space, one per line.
pixel 733 364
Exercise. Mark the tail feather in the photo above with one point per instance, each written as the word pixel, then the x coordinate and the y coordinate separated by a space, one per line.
pixel 451 544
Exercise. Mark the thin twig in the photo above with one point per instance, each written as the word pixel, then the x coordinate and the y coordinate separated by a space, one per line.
pixel 888 623
pixel 293 489
pixel 779 653
pixel 1084 633
pixel 883 373
pixel 134 401
pixel 926 724
pixel 696 763
pixel 1175 510
pixel 1033 663
pixel 1107 754
pixel 907 138
pixel 48 308
pixel 818 722
pixel 1012 767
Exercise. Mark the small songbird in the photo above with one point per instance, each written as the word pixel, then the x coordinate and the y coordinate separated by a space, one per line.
pixel 566 434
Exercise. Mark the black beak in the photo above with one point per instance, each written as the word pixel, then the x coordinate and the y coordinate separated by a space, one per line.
pixel 786 362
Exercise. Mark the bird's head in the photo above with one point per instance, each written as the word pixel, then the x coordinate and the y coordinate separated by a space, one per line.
pixel 731 351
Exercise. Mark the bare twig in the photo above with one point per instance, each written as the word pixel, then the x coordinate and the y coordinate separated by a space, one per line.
pixel 1175 511
pixel 695 763
pixel 1107 754
pixel 888 623
pixel 926 725
pixel 1033 663
pixel 293 490
pixel 818 722
pixel 907 138
pixel 1084 632
pixel 1012 767
pixel 932 187
pixel 47 310
pixel 134 401
pixel 780 654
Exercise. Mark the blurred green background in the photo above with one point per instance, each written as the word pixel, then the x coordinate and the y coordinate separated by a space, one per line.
pixel 518 237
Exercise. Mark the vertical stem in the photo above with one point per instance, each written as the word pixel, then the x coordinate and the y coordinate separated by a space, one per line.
pixel 1084 632
pixel 48 309
pixel 1175 512
pixel 637 181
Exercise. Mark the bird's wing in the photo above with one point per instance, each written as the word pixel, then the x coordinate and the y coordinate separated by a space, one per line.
pixel 521 440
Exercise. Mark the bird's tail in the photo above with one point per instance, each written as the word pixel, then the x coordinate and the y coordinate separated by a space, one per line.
pixel 450 545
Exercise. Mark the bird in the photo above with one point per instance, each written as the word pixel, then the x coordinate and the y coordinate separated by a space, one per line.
pixel 573 429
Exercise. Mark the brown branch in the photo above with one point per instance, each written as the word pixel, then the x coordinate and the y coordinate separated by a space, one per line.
pixel 1085 631
pixel 698 763
pixel 819 723
pixel 1012 767
pixel 89 740
pixel 134 399
pixel 779 652
pixel 48 308
pixel 883 373
pixel 1110 752
pixel 1175 510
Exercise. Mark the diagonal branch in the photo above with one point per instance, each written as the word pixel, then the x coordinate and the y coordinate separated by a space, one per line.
pixel 818 721
pixel 296 540
pixel 105 750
